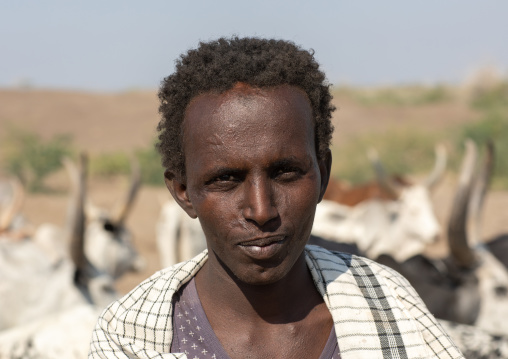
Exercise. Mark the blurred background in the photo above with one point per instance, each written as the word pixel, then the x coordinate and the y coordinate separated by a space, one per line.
pixel 83 76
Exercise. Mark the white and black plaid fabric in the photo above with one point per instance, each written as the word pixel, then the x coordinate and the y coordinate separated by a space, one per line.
pixel 376 312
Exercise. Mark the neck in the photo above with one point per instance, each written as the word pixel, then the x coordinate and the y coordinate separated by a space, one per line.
pixel 279 302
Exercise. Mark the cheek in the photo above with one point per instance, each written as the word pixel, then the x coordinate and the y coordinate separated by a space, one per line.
pixel 215 213
pixel 300 204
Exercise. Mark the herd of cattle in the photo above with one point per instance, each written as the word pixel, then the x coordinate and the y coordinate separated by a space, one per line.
pixel 55 281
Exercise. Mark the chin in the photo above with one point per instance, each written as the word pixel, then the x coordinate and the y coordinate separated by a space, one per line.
pixel 257 272
pixel 258 275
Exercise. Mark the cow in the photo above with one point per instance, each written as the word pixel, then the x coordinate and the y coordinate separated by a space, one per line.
pixel 179 237
pixel 65 334
pixel 476 343
pixel 384 187
pixel 470 285
pixel 55 270
pixel 388 216
pixel 108 242
pixel 498 246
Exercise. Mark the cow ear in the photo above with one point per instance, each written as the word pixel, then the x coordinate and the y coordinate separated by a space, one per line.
pixel 178 189
pixel 325 166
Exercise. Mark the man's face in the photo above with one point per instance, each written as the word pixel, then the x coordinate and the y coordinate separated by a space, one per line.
pixel 253 178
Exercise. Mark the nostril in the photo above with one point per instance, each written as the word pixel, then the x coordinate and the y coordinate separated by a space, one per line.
pixel 259 207
pixel 261 215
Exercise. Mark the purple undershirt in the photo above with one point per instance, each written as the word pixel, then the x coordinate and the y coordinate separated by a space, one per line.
pixel 194 336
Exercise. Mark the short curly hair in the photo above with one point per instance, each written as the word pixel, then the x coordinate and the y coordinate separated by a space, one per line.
pixel 218 65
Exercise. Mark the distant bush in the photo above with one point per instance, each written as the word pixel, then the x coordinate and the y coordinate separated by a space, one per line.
pixel 30 158
pixel 110 164
pixel 401 152
pixel 152 172
pixel 119 163
pixel 433 95
pixel 493 126
pixel 397 96
pixel 491 98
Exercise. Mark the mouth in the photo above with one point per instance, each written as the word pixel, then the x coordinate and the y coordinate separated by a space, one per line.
pixel 262 242
pixel 262 248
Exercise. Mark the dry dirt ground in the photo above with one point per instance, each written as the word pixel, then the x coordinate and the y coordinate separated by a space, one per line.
pixel 126 121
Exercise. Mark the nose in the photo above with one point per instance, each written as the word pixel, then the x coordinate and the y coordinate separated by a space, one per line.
pixel 259 205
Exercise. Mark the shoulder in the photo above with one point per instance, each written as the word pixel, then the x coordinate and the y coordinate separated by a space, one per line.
pixel 366 297
pixel 359 275
pixel 356 267
pixel 143 317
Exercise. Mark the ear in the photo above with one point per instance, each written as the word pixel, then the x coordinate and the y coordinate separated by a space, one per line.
pixel 178 189
pixel 325 166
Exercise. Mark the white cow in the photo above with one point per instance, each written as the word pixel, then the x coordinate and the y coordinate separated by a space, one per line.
pixel 57 269
pixel 179 237
pixel 383 217
pixel 399 228
pixel 65 334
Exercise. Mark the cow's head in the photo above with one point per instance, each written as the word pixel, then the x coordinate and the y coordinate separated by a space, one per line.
pixel 101 245
pixel 413 223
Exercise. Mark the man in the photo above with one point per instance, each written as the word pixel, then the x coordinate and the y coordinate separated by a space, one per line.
pixel 244 138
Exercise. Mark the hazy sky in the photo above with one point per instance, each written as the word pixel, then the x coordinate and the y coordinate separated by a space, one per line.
pixel 126 44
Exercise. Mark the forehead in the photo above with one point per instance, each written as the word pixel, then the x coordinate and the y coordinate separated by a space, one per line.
pixel 244 108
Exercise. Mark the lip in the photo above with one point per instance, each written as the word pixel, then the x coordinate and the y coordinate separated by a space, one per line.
pixel 262 248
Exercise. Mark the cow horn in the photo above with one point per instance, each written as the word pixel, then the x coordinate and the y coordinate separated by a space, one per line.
pixel 135 183
pixel 481 185
pixel 76 214
pixel 438 172
pixel 457 225
pixel 384 181
pixel 15 204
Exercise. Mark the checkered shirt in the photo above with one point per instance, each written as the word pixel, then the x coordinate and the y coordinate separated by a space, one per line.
pixel 376 312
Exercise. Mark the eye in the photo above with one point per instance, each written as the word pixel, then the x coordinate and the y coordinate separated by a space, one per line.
pixel 223 181
pixel 224 178
pixel 288 173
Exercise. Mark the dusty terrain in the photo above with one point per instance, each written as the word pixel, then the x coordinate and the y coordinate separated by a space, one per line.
pixel 125 121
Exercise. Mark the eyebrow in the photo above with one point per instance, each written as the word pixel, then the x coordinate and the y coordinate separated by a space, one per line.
pixel 289 161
